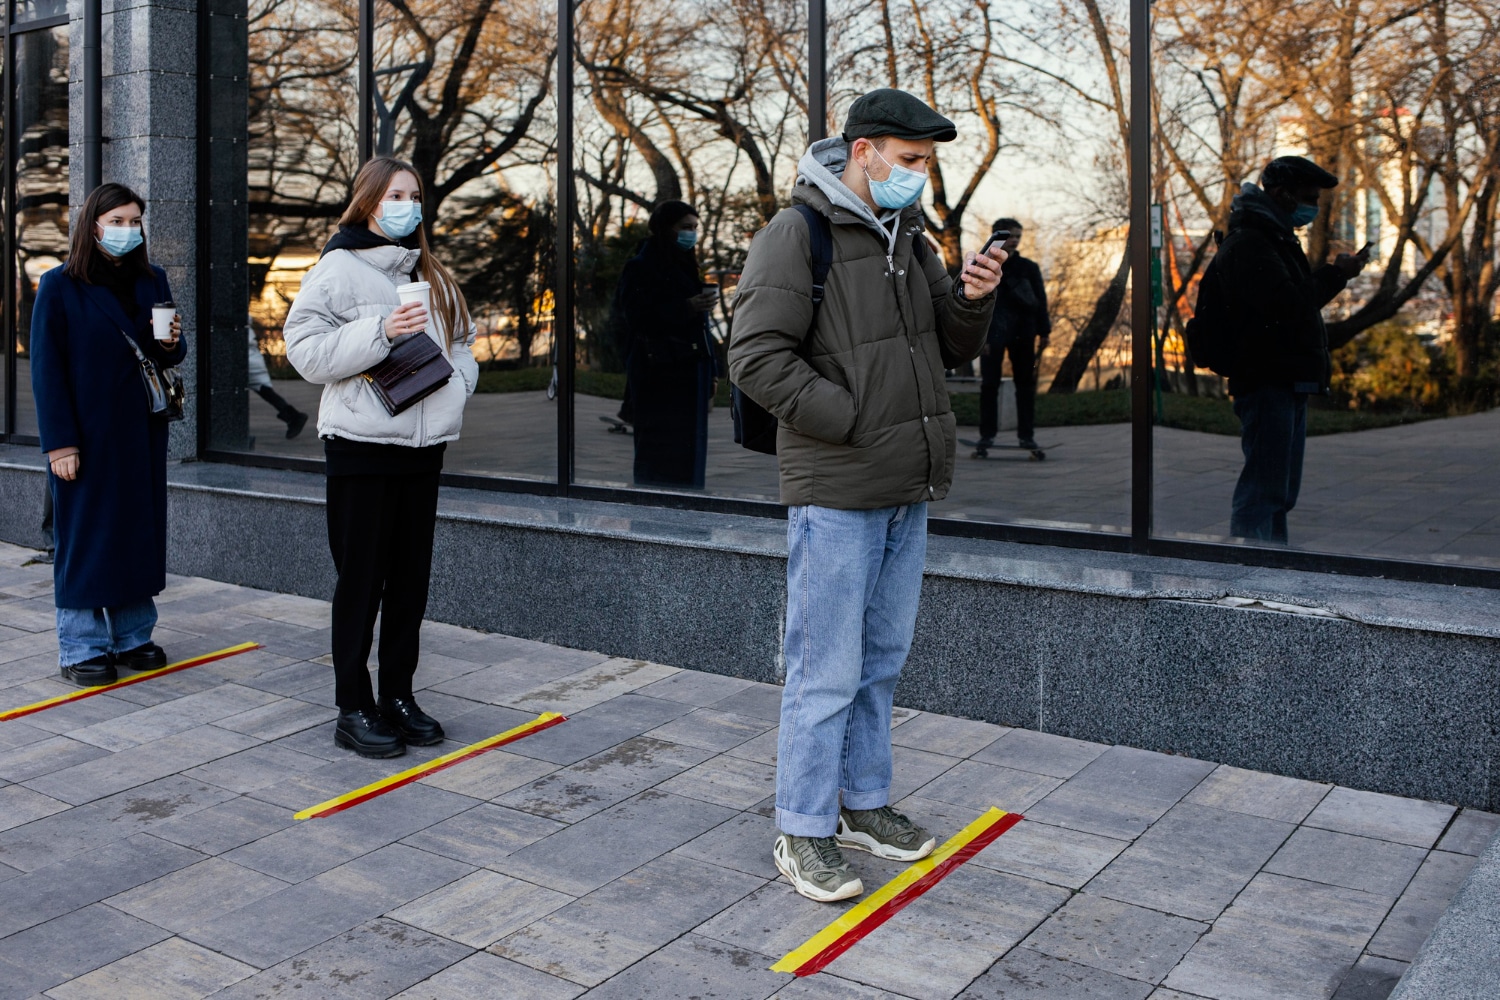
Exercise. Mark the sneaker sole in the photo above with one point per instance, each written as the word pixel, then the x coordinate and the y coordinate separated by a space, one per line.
pixel 864 842
pixel 812 892
pixel 364 751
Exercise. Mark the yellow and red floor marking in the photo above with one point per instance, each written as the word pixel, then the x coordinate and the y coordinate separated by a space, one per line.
pixel 144 675
pixel 882 904
pixel 349 799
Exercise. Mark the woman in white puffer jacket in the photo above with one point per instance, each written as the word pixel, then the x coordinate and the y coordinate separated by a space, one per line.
pixel 382 469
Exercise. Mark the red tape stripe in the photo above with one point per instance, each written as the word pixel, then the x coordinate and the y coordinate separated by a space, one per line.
pixel 906 896
pixel 419 775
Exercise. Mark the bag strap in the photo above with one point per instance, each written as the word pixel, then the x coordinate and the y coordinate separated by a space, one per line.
pixel 140 355
pixel 820 239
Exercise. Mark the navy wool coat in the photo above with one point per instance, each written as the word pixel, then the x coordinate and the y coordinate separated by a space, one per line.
pixel 111 521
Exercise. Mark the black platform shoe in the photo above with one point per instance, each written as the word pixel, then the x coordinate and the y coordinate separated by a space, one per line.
pixel 93 672
pixel 367 734
pixel 148 656
pixel 415 726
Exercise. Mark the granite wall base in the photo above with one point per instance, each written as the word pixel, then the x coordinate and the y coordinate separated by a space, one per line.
pixel 1403 711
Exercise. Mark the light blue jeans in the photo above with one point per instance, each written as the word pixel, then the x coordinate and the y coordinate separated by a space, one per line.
pixel 853 579
pixel 84 633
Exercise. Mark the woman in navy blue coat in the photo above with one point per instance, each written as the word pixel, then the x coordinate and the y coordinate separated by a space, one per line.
pixel 107 452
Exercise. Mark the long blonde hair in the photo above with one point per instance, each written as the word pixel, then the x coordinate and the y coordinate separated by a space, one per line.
pixel 370 186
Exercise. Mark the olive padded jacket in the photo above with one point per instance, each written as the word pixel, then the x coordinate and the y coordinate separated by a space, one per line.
pixel 862 406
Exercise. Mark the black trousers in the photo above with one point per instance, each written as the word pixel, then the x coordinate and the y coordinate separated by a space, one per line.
pixel 380 532
pixel 1022 351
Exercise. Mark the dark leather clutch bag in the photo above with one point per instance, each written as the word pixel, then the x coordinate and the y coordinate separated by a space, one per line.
pixel 415 369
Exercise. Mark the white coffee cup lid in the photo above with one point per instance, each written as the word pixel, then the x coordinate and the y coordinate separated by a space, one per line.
pixel 413 286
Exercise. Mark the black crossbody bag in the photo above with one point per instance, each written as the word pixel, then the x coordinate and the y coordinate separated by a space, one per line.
pixel 165 391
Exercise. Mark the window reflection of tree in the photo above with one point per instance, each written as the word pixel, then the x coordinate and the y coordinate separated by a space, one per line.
pixel 41 178
pixel 464 94
pixel 700 101
pixel 303 148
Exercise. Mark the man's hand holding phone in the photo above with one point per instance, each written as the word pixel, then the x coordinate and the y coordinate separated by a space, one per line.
pixel 982 271
pixel 1350 264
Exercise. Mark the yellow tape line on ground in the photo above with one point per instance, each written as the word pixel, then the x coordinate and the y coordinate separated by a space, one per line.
pixel 885 902
pixel 544 721
pixel 145 675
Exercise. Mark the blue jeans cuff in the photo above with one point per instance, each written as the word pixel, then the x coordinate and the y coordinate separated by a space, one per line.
pixel 865 800
pixel 802 825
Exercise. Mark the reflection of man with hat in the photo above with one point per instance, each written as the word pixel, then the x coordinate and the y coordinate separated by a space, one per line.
pixel 866 439
pixel 1277 298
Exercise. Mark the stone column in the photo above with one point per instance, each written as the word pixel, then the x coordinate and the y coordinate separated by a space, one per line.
pixel 150 52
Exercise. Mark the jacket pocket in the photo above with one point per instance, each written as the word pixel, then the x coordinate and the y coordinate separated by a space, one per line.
pixel 349 390
pixel 851 384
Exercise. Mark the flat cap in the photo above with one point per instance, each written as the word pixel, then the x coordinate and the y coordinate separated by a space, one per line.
pixel 895 113
pixel 1288 171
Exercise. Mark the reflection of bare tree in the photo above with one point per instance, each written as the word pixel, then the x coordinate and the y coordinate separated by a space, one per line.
pixel 674 81
pixel 41 182
pixel 302 153
pixel 685 99
pixel 1386 93
pixel 463 87
pixel 477 75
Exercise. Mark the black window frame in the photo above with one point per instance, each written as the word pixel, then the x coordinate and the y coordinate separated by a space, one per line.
pixel 11 29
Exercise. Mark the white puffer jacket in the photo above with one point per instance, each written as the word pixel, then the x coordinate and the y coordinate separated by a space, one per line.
pixel 336 329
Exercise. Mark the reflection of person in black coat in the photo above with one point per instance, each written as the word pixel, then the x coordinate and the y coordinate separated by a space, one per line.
pixel 1277 297
pixel 107 452
pixel 669 360
pixel 1020 327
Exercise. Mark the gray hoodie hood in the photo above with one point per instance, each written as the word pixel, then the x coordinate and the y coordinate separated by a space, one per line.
pixel 822 166
pixel 1252 203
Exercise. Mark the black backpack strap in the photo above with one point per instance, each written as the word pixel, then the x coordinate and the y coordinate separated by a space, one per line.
pixel 820 239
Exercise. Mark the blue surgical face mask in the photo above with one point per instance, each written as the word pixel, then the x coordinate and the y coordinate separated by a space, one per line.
pixel 120 240
pixel 399 218
pixel 1303 214
pixel 687 238
pixel 900 189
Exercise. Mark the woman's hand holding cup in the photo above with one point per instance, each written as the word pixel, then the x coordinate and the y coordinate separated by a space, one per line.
pixel 409 317
pixel 166 324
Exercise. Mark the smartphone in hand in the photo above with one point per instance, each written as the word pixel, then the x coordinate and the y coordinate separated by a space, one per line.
pixel 998 236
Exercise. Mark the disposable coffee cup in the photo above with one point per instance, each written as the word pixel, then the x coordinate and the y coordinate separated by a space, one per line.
pixel 416 291
pixel 161 320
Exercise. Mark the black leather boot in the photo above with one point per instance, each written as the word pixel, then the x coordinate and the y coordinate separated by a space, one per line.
pixel 148 656
pixel 367 734
pixel 92 672
pixel 415 726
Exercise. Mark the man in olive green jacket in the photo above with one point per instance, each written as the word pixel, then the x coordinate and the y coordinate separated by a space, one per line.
pixel 866 437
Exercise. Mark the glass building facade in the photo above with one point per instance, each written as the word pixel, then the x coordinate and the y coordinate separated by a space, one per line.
pixel 1115 134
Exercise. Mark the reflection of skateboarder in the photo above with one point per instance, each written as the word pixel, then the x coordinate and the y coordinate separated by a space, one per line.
pixel 983 446
pixel 260 381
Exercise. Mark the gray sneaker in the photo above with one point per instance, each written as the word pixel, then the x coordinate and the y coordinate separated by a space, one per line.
pixel 885 833
pixel 816 868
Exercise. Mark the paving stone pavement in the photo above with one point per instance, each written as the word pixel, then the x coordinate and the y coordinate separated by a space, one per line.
pixel 147 845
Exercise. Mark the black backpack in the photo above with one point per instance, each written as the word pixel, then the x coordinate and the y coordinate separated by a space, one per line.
pixel 754 426
pixel 1212 335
